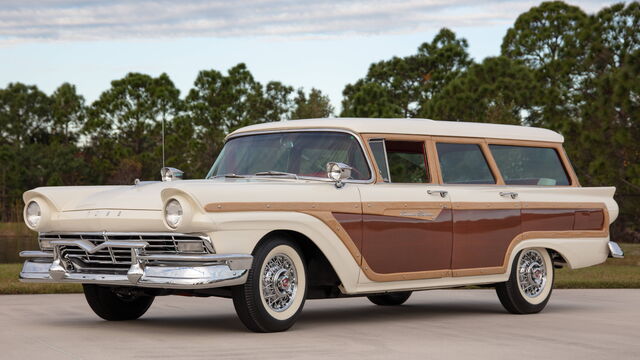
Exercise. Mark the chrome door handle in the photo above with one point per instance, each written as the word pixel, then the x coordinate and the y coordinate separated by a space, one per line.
pixel 513 195
pixel 442 193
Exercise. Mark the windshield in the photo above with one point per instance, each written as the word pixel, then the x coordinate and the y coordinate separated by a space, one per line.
pixel 301 153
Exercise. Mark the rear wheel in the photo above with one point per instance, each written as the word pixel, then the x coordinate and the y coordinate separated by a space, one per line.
pixel 116 304
pixel 390 299
pixel 530 284
pixel 273 296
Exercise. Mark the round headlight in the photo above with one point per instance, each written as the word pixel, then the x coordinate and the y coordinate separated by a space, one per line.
pixel 33 214
pixel 173 213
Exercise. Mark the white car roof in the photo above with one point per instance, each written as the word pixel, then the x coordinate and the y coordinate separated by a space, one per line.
pixel 413 127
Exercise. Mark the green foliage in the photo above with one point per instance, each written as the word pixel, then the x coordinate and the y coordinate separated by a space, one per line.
pixel 547 38
pixel 129 115
pixel 497 91
pixel 315 106
pixel 368 100
pixel 399 86
pixel 68 113
pixel 24 114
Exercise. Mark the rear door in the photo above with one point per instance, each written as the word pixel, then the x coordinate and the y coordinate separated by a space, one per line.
pixel 486 214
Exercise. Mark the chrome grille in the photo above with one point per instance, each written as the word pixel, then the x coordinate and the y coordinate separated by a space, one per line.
pixel 120 258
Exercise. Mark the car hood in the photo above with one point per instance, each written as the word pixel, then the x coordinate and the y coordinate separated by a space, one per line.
pixel 148 195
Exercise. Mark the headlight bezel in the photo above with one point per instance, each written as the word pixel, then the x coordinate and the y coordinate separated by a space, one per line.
pixel 177 211
pixel 35 209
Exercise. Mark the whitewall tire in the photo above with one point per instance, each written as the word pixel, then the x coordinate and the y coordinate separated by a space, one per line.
pixel 530 283
pixel 276 287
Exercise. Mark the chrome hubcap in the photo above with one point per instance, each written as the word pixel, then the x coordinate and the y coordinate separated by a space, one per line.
pixel 532 274
pixel 279 282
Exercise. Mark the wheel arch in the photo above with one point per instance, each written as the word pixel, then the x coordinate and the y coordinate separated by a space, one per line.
pixel 321 274
pixel 242 232
pixel 573 253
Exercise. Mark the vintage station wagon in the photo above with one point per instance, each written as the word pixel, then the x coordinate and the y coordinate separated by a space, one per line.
pixel 327 208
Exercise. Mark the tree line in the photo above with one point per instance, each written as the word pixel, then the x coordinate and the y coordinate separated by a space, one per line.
pixel 61 140
pixel 558 68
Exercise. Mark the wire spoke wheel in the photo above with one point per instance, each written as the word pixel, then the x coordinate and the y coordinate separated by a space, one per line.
pixel 530 282
pixel 279 282
pixel 532 274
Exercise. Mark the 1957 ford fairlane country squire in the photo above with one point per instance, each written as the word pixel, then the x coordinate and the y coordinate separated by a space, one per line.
pixel 327 208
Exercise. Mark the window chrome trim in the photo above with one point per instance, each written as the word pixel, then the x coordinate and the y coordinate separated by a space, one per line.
pixel 355 135
pixel 386 158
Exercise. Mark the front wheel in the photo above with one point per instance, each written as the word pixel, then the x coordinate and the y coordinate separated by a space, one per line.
pixel 275 291
pixel 530 283
pixel 116 304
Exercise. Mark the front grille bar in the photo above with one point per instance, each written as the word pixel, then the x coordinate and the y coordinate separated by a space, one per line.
pixel 114 251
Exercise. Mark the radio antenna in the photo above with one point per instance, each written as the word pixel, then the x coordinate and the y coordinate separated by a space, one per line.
pixel 162 141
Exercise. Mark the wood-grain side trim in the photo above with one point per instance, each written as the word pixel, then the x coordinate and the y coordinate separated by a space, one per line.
pixel 526 236
pixel 565 205
pixel 383 207
pixel 323 212
pixel 419 214
pixel 486 205
pixel 328 218
pixel 561 234
pixel 371 208
pixel 342 207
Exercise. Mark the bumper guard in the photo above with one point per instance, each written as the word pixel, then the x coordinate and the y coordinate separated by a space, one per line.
pixel 615 251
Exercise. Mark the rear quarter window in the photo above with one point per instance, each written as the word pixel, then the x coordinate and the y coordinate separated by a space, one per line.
pixel 527 165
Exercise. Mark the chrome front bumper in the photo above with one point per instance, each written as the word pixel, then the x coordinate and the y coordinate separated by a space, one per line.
pixel 154 271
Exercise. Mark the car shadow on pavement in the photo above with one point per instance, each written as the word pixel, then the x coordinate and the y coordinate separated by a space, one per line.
pixel 157 324
pixel 372 313
pixel 316 313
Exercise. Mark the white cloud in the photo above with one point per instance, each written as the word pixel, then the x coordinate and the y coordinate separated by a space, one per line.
pixel 69 20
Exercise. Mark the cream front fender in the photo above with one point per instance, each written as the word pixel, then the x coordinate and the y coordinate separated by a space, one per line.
pixel 578 252
pixel 240 232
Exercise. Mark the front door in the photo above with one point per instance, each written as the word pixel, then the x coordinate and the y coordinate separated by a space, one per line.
pixel 407 220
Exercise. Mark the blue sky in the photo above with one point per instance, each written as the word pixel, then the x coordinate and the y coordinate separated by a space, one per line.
pixel 322 44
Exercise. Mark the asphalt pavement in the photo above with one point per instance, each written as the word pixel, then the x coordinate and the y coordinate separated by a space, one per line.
pixel 438 324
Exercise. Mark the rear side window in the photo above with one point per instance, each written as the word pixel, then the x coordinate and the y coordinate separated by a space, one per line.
pixel 463 164
pixel 407 161
pixel 524 165
pixel 400 161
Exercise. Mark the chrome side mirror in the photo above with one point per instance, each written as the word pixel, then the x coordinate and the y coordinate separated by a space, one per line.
pixel 171 174
pixel 337 172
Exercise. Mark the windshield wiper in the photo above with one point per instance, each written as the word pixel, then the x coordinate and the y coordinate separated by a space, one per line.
pixel 231 175
pixel 275 173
